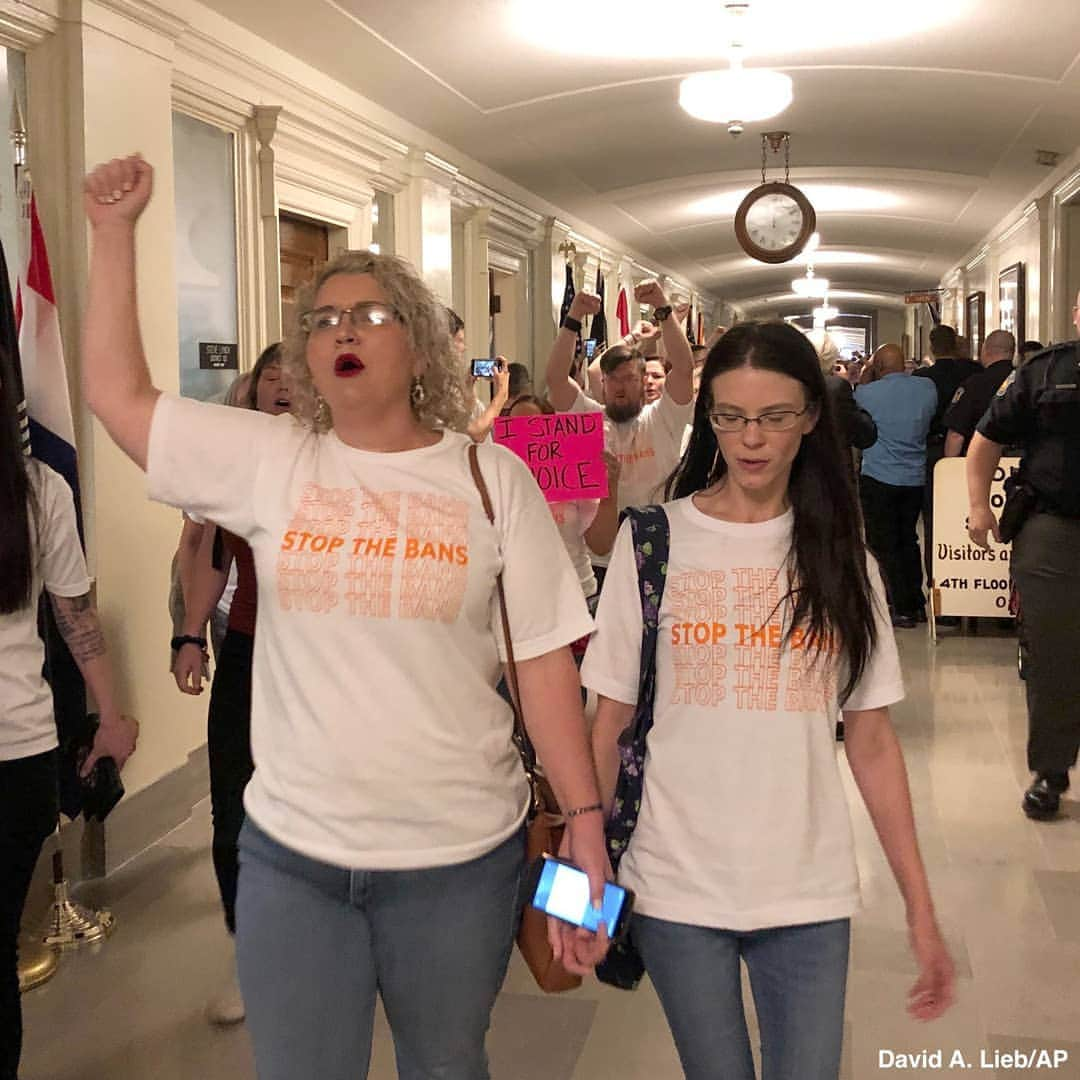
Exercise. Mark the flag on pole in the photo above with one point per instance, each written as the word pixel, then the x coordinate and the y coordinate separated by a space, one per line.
pixel 598 330
pixel 52 441
pixel 622 313
pixel 568 293
pixel 52 432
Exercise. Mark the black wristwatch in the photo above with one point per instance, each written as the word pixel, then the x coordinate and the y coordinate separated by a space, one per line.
pixel 572 324
pixel 661 313
pixel 181 640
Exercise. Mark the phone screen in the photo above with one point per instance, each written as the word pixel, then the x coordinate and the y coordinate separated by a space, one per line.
pixel 563 891
pixel 590 349
pixel 484 369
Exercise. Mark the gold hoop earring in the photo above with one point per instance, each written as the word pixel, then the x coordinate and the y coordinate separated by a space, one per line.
pixel 417 393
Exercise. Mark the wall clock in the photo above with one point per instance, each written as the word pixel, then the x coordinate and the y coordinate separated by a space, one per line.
pixel 775 220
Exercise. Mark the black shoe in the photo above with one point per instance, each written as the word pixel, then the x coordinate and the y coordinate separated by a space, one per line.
pixel 904 622
pixel 1043 799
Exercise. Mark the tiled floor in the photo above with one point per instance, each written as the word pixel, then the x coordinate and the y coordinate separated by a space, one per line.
pixel 1008 893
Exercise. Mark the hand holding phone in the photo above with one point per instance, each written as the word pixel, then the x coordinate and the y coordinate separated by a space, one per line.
pixel 483 368
pixel 561 889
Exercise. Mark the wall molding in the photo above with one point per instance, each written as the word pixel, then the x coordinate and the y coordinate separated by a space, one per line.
pixel 22 26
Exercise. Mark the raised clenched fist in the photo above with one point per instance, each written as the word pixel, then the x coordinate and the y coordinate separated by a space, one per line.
pixel 584 303
pixel 649 292
pixel 118 191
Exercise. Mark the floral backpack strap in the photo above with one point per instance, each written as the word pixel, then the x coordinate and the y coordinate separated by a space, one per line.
pixel 650 532
pixel 623 967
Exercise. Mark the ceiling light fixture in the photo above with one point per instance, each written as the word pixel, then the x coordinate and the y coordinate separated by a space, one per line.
pixel 735 97
pixel 810 285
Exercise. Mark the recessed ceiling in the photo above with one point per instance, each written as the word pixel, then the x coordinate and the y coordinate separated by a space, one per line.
pixel 913 127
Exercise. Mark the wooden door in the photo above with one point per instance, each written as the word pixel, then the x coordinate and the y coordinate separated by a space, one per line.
pixel 304 249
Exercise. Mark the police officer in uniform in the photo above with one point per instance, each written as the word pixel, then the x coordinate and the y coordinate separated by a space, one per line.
pixel 1038 409
pixel 975 395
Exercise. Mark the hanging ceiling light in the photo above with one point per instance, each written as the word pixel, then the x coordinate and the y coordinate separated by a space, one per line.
pixel 825 314
pixel 810 285
pixel 735 97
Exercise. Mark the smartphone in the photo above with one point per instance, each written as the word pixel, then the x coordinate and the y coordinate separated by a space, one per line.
pixel 485 369
pixel 590 348
pixel 559 888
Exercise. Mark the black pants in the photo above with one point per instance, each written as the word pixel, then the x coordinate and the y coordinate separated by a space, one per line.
pixel 1047 576
pixel 28 809
pixel 891 513
pixel 228 740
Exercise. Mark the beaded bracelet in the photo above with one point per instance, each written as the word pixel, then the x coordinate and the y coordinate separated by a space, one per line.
pixel 590 809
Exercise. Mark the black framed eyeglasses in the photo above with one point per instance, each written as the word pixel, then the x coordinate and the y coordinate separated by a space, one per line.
pixel 364 313
pixel 774 420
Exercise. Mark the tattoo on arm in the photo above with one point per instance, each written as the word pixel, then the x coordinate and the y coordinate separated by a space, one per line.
pixel 79 626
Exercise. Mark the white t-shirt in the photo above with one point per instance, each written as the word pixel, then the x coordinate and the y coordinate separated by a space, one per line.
pixel 378 738
pixel 743 822
pixel 572 519
pixel 648 448
pixel 27 726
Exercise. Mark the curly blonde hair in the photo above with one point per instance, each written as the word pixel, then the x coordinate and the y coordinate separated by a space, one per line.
pixel 447 394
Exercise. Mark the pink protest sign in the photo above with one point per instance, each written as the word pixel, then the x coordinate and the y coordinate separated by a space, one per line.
pixel 565 452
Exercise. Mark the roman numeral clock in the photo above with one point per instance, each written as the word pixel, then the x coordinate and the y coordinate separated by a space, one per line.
pixel 775 220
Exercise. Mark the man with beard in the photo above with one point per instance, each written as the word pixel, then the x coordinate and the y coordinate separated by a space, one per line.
pixel 644 438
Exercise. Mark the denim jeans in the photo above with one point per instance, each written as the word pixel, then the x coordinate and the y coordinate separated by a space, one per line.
pixel 229 747
pixel 28 809
pixel 316 943
pixel 797 975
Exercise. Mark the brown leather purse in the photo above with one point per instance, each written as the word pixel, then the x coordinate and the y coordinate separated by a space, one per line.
pixel 545 823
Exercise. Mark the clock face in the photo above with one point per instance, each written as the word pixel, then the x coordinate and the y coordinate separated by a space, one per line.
pixel 774 222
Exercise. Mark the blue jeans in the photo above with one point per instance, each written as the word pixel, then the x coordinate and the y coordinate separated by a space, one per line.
pixel 316 943
pixel 798 976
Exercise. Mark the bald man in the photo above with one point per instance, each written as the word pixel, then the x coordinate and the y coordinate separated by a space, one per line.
pixel 973 398
pixel 893 476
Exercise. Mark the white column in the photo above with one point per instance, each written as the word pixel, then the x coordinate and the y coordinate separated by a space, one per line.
pixel 265 125
pixel 477 313
pixel 422 220
pixel 548 281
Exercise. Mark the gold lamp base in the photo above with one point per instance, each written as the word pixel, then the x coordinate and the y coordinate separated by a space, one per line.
pixel 70 925
pixel 37 964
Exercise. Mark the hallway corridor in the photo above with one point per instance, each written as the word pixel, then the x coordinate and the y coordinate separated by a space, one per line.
pixel 1008 892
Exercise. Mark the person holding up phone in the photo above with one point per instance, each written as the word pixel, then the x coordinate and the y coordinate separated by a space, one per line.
pixel 772 618
pixel 497 372
pixel 383 844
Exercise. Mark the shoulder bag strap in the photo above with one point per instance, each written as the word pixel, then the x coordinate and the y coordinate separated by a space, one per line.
pixel 521 738
pixel 651 534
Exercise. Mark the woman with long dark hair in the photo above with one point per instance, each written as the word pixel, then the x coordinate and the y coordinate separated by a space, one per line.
pixel 772 618
pixel 39 550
